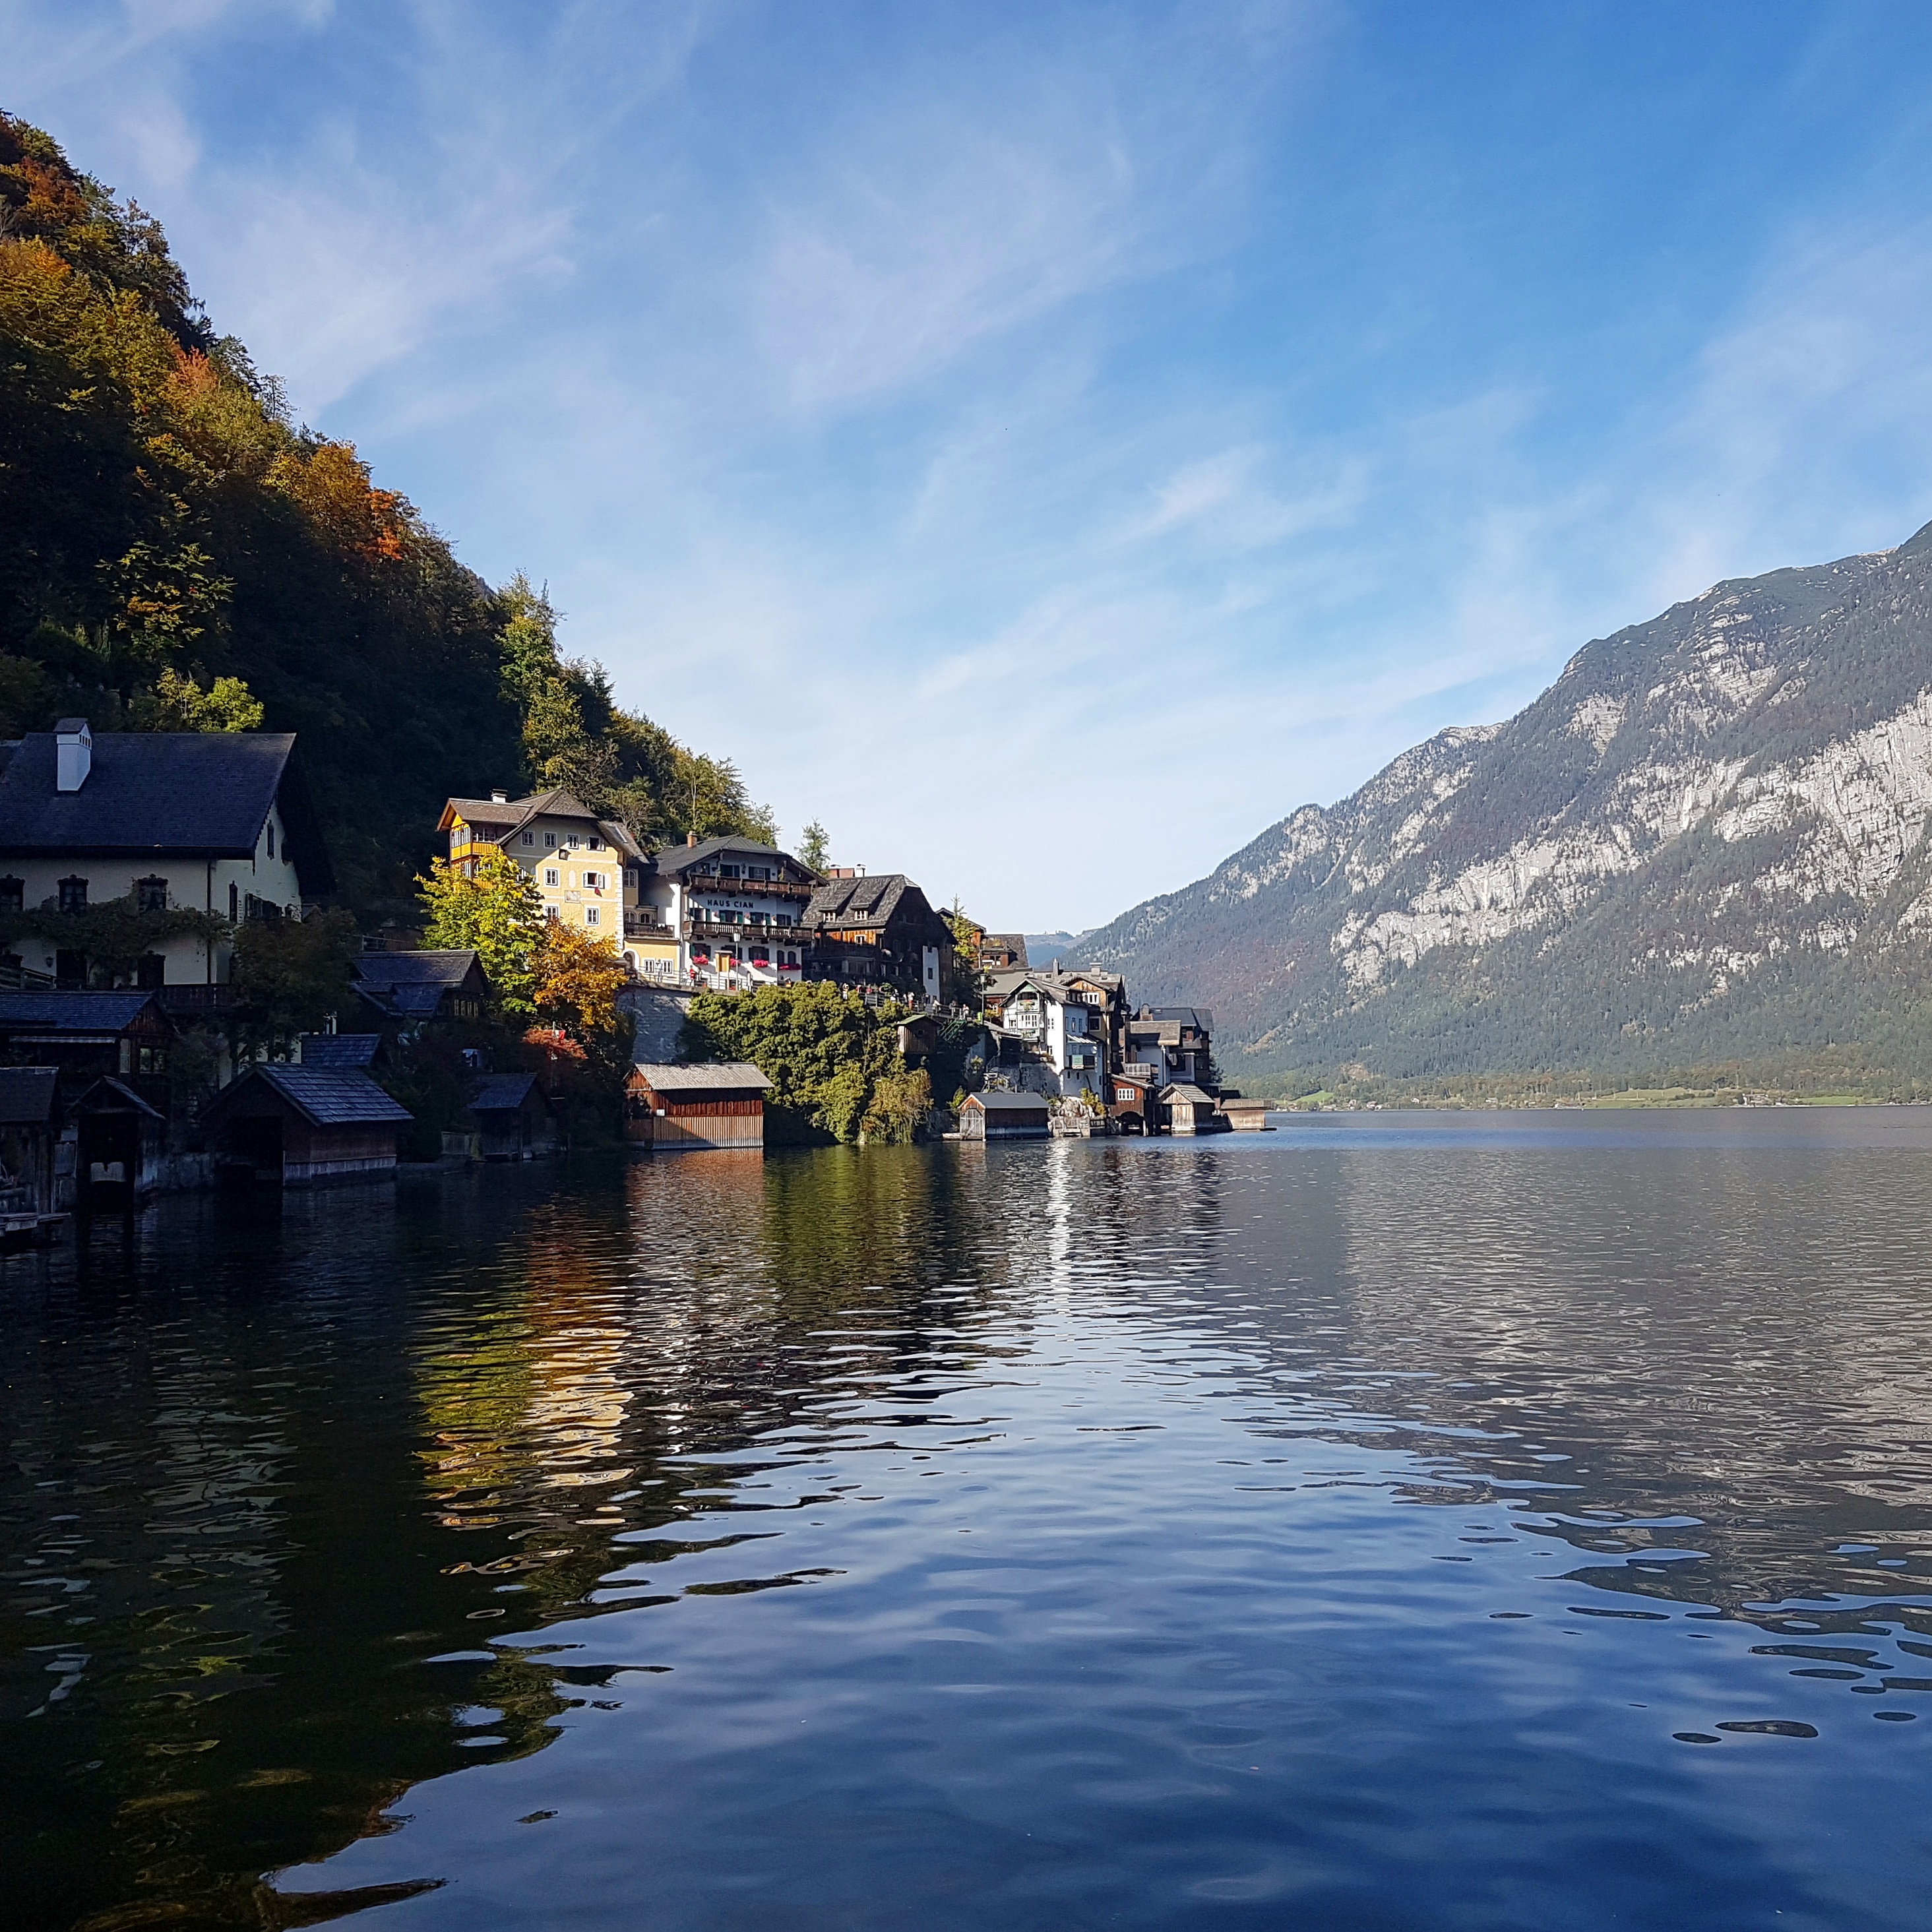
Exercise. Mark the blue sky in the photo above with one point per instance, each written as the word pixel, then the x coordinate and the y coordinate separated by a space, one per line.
pixel 1049 442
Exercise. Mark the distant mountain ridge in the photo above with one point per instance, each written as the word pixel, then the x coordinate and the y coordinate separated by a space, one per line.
pixel 1703 845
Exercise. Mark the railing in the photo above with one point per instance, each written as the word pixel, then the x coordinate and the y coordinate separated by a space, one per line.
pixel 728 931
pixel 20 978
pixel 1140 1069
pixel 641 925
pixel 709 882
pixel 194 999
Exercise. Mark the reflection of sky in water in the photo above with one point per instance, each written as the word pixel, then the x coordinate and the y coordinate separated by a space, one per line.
pixel 1397 1524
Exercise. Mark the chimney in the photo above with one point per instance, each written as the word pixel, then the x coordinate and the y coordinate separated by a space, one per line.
pixel 691 839
pixel 497 797
pixel 73 753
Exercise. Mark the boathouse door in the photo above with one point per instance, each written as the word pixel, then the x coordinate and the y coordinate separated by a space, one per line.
pixel 110 1160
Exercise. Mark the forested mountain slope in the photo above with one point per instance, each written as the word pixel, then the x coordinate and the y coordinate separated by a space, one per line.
pixel 169 534
pixel 1702 846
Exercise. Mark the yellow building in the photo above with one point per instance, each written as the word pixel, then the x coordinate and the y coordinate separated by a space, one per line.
pixel 588 870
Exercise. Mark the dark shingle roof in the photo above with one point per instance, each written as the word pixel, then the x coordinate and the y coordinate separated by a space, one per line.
pixel 1194 1016
pixel 157 794
pixel 1005 1103
pixel 27 1095
pixel 71 1012
pixel 867 901
pixel 501 819
pixel 339 1049
pixel 330 1096
pixel 501 1092
pixel 446 967
pixel 108 1095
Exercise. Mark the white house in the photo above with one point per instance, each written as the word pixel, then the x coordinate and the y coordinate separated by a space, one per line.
pixel 1062 1029
pixel 215 822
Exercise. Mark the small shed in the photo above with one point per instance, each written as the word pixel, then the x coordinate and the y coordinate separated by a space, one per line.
pixel 30 1120
pixel 1187 1109
pixel 300 1127
pixel 1131 1102
pixel 1245 1116
pixel 1003 1117
pixel 919 1039
pixel 514 1119
pixel 716 1103
pixel 122 1139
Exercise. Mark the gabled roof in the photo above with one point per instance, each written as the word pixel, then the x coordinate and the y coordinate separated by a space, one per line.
pixel 92 1014
pixel 1014 943
pixel 500 819
pixel 27 1096
pixel 1199 1017
pixel 678 859
pixel 324 1096
pixel 442 967
pixel 1184 1090
pixel 110 1096
pixel 159 795
pixel 1002 1103
pixel 707 1076
pixel 501 1092
pixel 339 1049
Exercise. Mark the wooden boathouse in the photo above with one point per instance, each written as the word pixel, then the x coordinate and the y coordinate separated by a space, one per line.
pixel 303 1127
pixel 1003 1117
pixel 716 1103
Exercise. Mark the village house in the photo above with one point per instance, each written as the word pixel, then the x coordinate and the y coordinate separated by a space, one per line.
pixel 405 989
pixel 1185 1109
pixel 121 1141
pixel 1052 1032
pixel 1133 1103
pixel 732 910
pixel 1168 1044
pixel 85 1035
pixel 303 1127
pixel 1002 953
pixel 214 822
pixel 589 871
pixel 718 1103
pixel 880 931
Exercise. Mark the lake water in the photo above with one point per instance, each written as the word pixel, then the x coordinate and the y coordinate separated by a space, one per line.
pixel 1397 1521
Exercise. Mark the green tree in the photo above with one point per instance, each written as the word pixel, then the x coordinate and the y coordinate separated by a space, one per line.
pixel 814 846
pixel 289 976
pixel 495 911
pixel 825 1052
pixel 179 703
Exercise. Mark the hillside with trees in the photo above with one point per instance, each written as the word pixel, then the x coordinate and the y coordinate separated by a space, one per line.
pixel 178 553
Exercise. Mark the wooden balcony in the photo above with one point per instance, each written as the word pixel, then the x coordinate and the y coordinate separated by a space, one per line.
pixel 784 888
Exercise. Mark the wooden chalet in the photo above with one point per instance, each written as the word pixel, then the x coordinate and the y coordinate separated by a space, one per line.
pixel 513 1116
pixel 86 1035
pixel 718 1103
pixel 880 930
pixel 406 989
pixel 301 1126
pixel 1004 1116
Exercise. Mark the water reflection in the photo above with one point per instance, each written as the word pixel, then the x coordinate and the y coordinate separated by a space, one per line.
pixel 1035 1486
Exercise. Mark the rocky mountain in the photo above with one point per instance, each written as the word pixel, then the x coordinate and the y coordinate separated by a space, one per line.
pixel 1703 847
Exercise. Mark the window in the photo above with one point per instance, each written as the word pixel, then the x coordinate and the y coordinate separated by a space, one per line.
pixel 551 876
pixel 727 872
pixel 571 842
pixel 760 956
pixel 595 880
pixel 549 842
pixel 595 844
pixel 73 895
pixel 529 838
pixel 550 913
pixel 13 894
pixel 151 970
pixel 631 879
pixel 590 916
pixel 234 902
pixel 271 838
pixel 150 1060
pixel 151 895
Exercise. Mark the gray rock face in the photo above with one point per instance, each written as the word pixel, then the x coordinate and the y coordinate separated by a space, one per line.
pixel 1705 843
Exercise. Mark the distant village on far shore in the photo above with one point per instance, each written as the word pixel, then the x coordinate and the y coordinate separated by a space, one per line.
pixel 131 862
